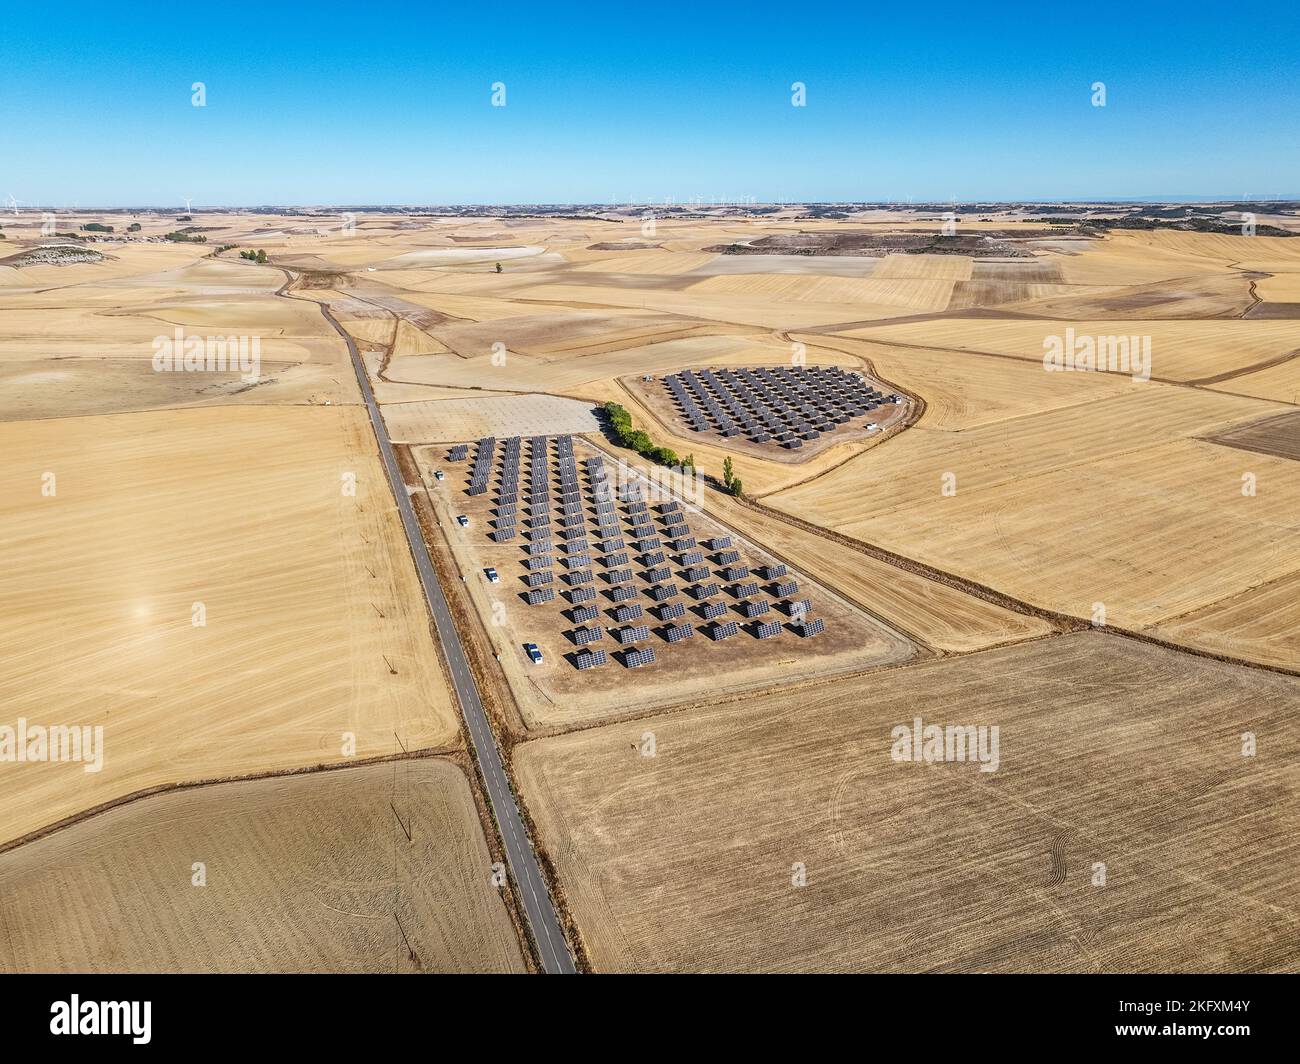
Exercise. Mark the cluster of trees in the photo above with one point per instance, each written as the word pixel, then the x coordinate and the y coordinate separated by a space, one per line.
pixel 253 256
pixel 186 238
pixel 730 481
pixel 620 423
pixel 134 227
pixel 97 227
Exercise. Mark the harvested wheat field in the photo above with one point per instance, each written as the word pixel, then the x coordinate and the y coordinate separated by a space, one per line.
pixel 1110 751
pixel 201 586
pixel 307 873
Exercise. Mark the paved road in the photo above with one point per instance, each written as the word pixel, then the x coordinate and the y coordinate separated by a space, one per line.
pixel 543 922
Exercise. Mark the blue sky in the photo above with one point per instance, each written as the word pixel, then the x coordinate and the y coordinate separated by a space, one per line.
pixel 391 102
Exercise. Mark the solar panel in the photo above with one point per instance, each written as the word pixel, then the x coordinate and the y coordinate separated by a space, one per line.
pixel 727 557
pixel 581 594
pixel 634 634
pixel 678 632
pixel 659 575
pixel 502 535
pixel 768 629
pixel 589 659
pixel 543 594
pixel 723 631
pixel 629 612
pixel 538 578
pixel 662 591
pixel 714 609
pixel 696 572
pixel 581 576
pixel 703 591
pixel 755 608
pixel 583 636
pixel 619 576
pixel 787 588
pixel 634 659
pixel 814 627
pixel 746 590
pixel 669 507
pixel 582 614
pixel 693 557
pixel 578 561
pixel 619 594
pixel 615 559
pixel 771 572
pixel 653 558
pixel 670 611
pixel 734 572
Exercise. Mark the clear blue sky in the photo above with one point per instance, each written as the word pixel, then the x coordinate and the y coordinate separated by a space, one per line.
pixel 386 102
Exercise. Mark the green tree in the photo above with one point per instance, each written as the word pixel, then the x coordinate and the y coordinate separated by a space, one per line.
pixel 728 472
pixel 261 256
pixel 498 267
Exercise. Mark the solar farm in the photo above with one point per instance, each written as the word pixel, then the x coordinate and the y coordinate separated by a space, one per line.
pixel 611 575
pixel 785 412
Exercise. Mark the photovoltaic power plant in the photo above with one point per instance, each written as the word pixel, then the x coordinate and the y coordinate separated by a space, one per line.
pixel 780 405
pixel 620 541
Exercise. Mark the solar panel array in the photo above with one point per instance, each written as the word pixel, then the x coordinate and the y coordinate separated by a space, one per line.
pixel 562 508
pixel 782 404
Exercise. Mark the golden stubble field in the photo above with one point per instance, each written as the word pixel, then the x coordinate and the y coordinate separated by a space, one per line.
pixel 773 834
pixel 313 626
pixel 307 873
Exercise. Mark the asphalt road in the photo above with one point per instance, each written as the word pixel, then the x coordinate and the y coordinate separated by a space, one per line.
pixel 522 862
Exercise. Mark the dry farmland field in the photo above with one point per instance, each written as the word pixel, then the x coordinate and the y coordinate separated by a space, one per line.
pixel 1110 751
pixel 210 564
pixel 305 873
